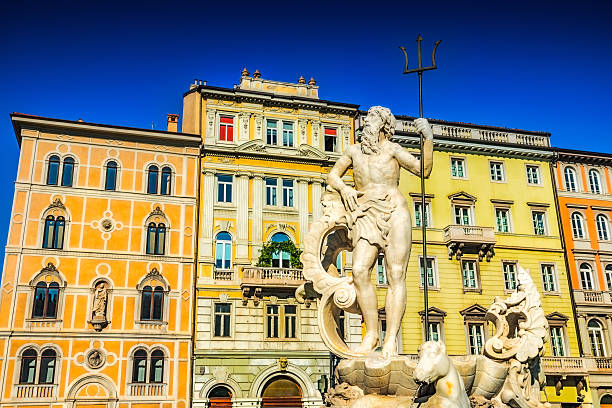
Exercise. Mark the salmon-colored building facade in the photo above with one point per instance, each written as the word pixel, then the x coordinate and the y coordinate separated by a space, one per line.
pixel 96 296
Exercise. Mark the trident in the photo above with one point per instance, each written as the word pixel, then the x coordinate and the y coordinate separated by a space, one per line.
pixel 419 71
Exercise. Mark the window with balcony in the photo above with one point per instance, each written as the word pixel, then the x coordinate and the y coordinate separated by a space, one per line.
pixel 608 272
pixel 418 216
pixel 287 193
pixel 594 181
pixel 53 234
pixel 596 338
pixel 381 273
pixel 463 215
pixel 432 273
pixel 156 239
pixel 557 342
pixel 226 128
pixel 222 318
pixel 538 219
pixel 549 278
pixel 151 303
pixel 458 168
pixel 224 188
pixel 223 250
pixel 110 181
pixel 475 337
pixel 280 258
pixel 578 225
pixel 330 136
pixel 496 170
pixel 148 368
pixel 586 276
pixel 469 275
pixel 569 176
pixel 509 269
pixel 603 227
pixel 502 219
pixel 30 362
pixel 45 300
pixel 533 175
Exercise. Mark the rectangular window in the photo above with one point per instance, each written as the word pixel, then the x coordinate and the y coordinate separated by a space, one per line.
pixel 432 281
pixel 271 188
pixel 223 254
pixel 331 139
pixel 475 337
pixel 539 223
pixel 458 167
pixel 549 280
pixel 288 134
pixel 290 321
pixel 271 132
pixel 224 188
pixel 502 219
pixel 463 215
pixel 497 171
pixel 226 128
pixel 287 193
pixel 272 317
pixel 556 341
pixel 434 331
pixel 381 273
pixel 418 216
pixel 608 272
pixel 509 275
pixel 222 319
pixel 469 274
pixel 533 174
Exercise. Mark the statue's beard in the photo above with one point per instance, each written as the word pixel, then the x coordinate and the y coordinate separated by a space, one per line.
pixel 369 141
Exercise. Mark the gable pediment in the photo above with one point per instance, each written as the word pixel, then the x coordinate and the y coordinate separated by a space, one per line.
pixel 462 196
pixel 557 317
pixel 474 311
pixel 433 312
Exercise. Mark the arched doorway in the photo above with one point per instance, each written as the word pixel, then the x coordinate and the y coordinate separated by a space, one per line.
pixel 220 397
pixel 281 392
pixel 606 401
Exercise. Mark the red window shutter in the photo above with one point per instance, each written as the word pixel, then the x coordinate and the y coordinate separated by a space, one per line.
pixel 330 131
pixel 230 133
pixel 222 132
pixel 227 119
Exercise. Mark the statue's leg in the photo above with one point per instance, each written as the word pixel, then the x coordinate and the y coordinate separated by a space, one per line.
pixel 364 257
pixel 397 255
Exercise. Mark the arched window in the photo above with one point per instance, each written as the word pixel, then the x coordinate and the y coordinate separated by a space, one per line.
pixel 156 238
pixel 152 303
pixel 67 172
pixel 139 368
pixel 111 176
pixel 47 367
pixel 157 367
pixel 53 235
pixel 596 338
pixel 223 251
pixel 53 170
pixel 152 174
pixel 281 391
pixel 594 181
pixel 570 179
pixel 578 225
pixel 166 180
pixel 28 366
pixel 45 300
pixel 281 259
pixel 603 229
pixel 147 369
pixel 586 276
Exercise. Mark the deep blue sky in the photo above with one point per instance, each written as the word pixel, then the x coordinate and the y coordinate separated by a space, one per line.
pixel 537 65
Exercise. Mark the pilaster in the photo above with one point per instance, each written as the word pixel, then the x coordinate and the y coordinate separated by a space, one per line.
pixel 258 126
pixel 302 137
pixel 243 125
pixel 316 134
pixel 242 218
pixel 257 214
pixel 584 336
pixel 317 209
pixel 209 137
pixel 208 202
pixel 302 201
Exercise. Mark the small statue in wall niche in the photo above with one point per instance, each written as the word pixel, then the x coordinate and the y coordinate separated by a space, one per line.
pixel 98 318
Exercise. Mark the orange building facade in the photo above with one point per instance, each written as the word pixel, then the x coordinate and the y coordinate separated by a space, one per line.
pixel 584 189
pixel 95 302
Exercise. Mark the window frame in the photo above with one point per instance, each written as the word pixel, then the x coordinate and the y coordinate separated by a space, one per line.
pixel 57 240
pixel 157 228
pixel 232 126
pixel 464 167
pixel 563 336
pixel 583 231
pixel 608 276
pixel 281 319
pixel 152 290
pixel 428 218
pixel 225 243
pixel 470 213
pixel 575 182
pixel 606 225
pixel 38 365
pixel 336 137
pixel 555 278
pixel 436 277
pixel 591 276
pixel 507 287
pixel 73 164
pixel 502 169
pixel 604 351
pixel 148 365
pixel 543 212
pixel 223 315
pixel 509 223
pixel 271 191
pixel 538 173
pixel 225 184
pixel 288 193
pixel 591 179
pixel 52 159
pixel 478 287
pixel 116 176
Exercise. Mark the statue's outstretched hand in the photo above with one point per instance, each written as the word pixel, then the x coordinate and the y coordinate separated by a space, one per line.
pixel 349 197
pixel 423 128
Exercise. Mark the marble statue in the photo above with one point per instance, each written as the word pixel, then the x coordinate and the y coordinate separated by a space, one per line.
pixel 100 300
pixel 373 218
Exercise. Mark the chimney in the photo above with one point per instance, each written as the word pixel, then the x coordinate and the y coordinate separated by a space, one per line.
pixel 173 122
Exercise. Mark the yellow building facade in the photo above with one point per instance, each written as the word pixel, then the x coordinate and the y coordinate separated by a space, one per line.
pixel 491 208
pixel 96 296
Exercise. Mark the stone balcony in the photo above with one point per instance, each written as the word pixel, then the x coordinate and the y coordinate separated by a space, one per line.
pixel 258 281
pixel 576 365
pixel 469 239
pixel 592 297
pixel 147 389
pixel 35 391
pixel 223 274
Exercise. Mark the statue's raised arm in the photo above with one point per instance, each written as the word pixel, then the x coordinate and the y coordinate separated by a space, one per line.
pixel 411 163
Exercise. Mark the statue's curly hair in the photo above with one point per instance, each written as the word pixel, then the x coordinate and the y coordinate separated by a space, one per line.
pixel 387 117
